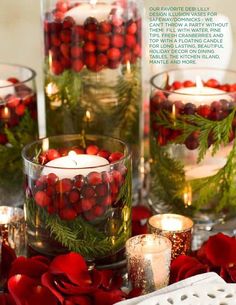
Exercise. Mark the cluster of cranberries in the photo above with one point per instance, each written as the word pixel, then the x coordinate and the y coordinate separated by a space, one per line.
pixel 94 45
pixel 216 111
pixel 14 106
pixel 87 196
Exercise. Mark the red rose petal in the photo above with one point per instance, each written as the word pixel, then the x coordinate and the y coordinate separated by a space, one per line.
pixel 41 259
pixel 176 265
pixel 231 272
pixel 28 266
pixel 227 246
pixel 140 212
pixel 40 295
pixel 78 300
pixel 48 281
pixel 70 289
pixel 73 266
pixel 108 297
pixel 6 299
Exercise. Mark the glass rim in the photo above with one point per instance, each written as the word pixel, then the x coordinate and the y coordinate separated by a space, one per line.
pixel 32 71
pixel 160 230
pixel 152 81
pixel 127 152
pixel 145 236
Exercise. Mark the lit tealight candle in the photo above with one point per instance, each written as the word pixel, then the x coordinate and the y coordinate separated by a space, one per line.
pixel 74 164
pixel 6 88
pixel 177 228
pixel 199 94
pixel 80 13
pixel 148 258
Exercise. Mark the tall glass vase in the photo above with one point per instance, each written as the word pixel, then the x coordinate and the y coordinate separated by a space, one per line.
pixel 92 68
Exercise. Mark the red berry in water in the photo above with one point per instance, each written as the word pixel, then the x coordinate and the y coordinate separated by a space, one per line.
pixel 130 41
pixel 68 22
pixel 88 192
pixel 113 64
pixel 104 154
pixel 64 186
pixel 127 55
pixel 92 150
pixel 62 6
pixel 13 80
pixel 66 62
pixel 117 41
pixel 77 65
pixel 52 179
pixel 113 54
pixel 74 196
pixel 102 60
pixel 103 39
pixel 76 52
pixel 213 83
pixel 78 151
pixel 51 210
pixel 117 177
pixel 42 199
pixel 41 182
pixel 107 201
pixel 55 41
pixel 188 83
pixel 101 190
pixel 67 214
pixel 117 21
pixel 192 141
pixel 94 178
pixel 61 201
pixel 3 139
pixel 89 47
pixel 53 154
pixel 87 204
pixel 189 108
pixel 204 110
pixel 137 50
pixel 225 87
pixel 105 27
pixel 13 101
pixel 177 85
pixel 91 24
pixel 216 106
pixel 107 177
pixel 56 67
pixel 43 158
pixel 90 36
pixel 132 28
pixel 98 211
pixel 20 110
pixel 65 36
pixel 115 156
pixel 50 191
pixel 65 50
pixel 118 30
pixel 114 188
pixel 90 60
pixel 79 181
pixel 58 16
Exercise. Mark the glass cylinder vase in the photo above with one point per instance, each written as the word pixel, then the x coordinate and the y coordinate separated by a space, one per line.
pixel 78 196
pixel 92 68
pixel 192 142
pixel 18 126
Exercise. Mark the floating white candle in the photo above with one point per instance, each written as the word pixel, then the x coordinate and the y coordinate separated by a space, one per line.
pixel 73 164
pixel 6 88
pixel 80 13
pixel 198 95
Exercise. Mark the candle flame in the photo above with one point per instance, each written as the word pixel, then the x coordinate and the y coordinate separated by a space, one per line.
pixel 199 83
pixel 6 113
pixel 45 144
pixel 174 111
pixel 88 115
pixel 128 67
pixel 50 59
pixel 187 196
pixel 51 89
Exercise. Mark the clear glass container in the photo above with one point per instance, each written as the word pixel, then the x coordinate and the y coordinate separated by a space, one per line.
pixel 92 68
pixel 18 126
pixel 78 196
pixel 192 143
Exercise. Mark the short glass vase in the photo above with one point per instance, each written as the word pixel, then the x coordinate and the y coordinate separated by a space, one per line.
pixel 78 196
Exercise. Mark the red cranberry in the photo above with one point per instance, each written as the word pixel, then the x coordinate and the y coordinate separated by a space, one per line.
pixel 188 83
pixel 79 33
pixel 43 158
pixel 94 178
pixel 101 190
pixel 20 110
pixel 87 204
pixel 55 41
pixel 77 65
pixel 107 177
pixel 104 154
pixel 117 177
pixel 13 80
pixel 79 181
pixel 192 141
pixel 52 179
pixel 88 192
pixel 137 51
pixel 179 107
pixel 107 201
pixel 91 24
pixel 90 36
pixel 98 211
pixel 189 108
pixel 3 139
pixel 204 110
pixel 213 83
pixel 51 209
pixel 127 55
pixel 132 28
pixel 65 36
pixel 115 156
pixel 117 21
pixel 177 85
pixel 62 6
pixel 113 54
pixel 58 16
pixel 102 59
pixel 64 186
pixel 113 64
pixel 225 87
pixel 61 201
pixel 89 216
pixel 216 106
pixel 89 47
pixel 92 150
pixel 114 188
pixel 65 50
pixel 66 62
pixel 76 52
pixel 42 199
pixel 78 151
pixel 67 214
pixel 90 60
pixel 74 196
pixel 105 27
pixel 117 41
pixel 13 101
pixel 68 23
pixel 41 182
pixel 50 191
pixel 53 154
pixel 56 67
pixel 130 41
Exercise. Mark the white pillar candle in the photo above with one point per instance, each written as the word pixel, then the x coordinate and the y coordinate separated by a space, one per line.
pixel 6 88
pixel 73 164
pixel 80 13
pixel 198 95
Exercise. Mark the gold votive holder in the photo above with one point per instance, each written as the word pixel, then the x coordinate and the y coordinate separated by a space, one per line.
pixel 177 228
pixel 148 261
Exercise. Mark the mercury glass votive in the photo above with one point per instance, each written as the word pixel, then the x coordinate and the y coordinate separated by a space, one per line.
pixel 148 260
pixel 177 228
